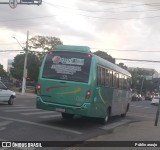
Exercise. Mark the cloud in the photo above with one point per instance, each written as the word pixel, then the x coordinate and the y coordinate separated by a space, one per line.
pixel 98 24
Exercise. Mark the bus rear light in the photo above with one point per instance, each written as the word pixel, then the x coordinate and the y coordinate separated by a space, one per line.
pixel 50 53
pixel 38 88
pixel 89 56
pixel 88 94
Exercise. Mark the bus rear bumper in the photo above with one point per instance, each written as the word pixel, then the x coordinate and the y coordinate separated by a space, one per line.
pixel 83 110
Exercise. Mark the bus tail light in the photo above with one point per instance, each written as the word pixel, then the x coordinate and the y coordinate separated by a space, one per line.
pixel 38 88
pixel 88 94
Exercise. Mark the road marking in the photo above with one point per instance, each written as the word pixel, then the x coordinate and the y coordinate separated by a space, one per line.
pixel 147 107
pixel 4 123
pixel 41 125
pixel 139 115
pixel 30 109
pixel 9 108
pixel 115 124
pixel 140 106
pixel 51 116
pixel 2 128
pixel 37 113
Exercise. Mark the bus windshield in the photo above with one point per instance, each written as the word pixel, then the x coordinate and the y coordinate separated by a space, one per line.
pixel 70 66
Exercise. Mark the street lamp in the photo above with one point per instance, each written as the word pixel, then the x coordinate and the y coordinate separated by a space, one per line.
pixel 25 63
pixel 18 42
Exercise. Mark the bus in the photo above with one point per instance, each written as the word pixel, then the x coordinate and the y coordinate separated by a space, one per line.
pixel 74 81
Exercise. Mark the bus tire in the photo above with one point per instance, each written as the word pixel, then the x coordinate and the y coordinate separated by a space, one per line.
pixel 107 117
pixel 67 116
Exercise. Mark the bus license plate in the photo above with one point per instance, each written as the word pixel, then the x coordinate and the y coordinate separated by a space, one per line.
pixel 60 109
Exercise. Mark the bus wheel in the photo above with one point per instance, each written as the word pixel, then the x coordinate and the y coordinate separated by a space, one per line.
pixel 107 117
pixel 67 116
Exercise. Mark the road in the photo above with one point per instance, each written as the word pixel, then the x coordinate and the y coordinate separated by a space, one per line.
pixel 23 122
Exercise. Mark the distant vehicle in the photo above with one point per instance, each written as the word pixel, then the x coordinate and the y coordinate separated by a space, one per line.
pixel 74 81
pixel 148 97
pixel 155 100
pixel 6 95
pixel 134 97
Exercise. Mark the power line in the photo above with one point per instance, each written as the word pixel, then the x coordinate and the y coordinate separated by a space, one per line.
pixel 131 5
pixel 105 10
pixel 33 18
pixel 130 50
pixel 107 18
pixel 141 60
pixel 10 50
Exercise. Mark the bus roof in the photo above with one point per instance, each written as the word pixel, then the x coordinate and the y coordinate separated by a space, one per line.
pixel 84 49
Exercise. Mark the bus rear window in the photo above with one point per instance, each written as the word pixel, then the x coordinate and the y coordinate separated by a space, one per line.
pixel 70 66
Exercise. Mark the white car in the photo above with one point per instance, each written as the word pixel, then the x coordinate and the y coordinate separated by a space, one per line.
pixel 6 95
pixel 155 100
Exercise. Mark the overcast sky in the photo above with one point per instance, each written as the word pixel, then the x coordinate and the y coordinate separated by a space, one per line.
pixel 107 25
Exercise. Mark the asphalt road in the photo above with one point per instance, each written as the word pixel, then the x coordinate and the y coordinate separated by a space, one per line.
pixel 23 122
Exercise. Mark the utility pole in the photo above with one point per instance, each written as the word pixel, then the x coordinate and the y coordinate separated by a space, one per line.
pixel 25 66
pixel 158 109
pixel 142 85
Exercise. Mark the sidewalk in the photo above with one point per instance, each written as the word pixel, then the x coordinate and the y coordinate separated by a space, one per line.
pixel 139 131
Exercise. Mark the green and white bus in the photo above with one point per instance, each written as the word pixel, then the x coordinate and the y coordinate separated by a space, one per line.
pixel 74 81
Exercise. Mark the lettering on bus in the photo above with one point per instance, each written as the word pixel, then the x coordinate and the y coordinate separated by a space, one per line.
pixel 66 66
pixel 71 61
pixel 65 69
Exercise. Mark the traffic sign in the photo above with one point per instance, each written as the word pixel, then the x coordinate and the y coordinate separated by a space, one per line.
pixel 13 3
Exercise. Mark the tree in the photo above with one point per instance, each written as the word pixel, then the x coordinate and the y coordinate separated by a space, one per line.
pixel 104 55
pixel 44 42
pixel 3 73
pixel 33 64
pixel 122 65
pixel 139 79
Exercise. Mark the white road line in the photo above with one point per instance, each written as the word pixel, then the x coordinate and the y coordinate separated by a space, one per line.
pixel 140 106
pixel 19 110
pixel 51 116
pixel 4 123
pixel 37 113
pixel 139 115
pixel 147 107
pixel 9 108
pixel 41 125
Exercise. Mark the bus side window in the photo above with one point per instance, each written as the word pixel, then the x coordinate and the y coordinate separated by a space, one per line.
pixel 98 75
pixel 102 76
pixel 107 78
pixel 128 84
pixel 110 78
pixel 125 83
pixel 121 81
pixel 115 80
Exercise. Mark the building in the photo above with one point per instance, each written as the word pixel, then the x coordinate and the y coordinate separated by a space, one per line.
pixel 9 65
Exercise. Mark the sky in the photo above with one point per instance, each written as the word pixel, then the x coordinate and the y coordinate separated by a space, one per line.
pixel 124 28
